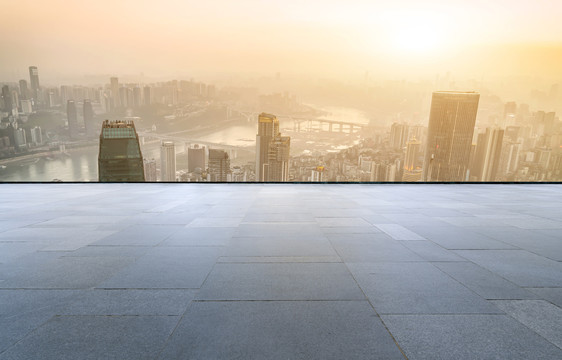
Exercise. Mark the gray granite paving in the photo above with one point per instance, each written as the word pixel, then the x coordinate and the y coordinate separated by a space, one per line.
pixel 223 271
pixel 436 337
pixel 281 330
pixel 280 281
pixel 95 337
pixel 539 315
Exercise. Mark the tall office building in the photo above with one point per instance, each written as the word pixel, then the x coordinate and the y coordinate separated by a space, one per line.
pixel 114 83
pixel 72 117
pixel 120 157
pixel 147 95
pixel 167 161
pixel 219 165
pixel 149 170
pixel 24 91
pixel 88 117
pixel 36 137
pixel 272 150
pixel 268 127
pixel 412 169
pixel 195 158
pixel 278 159
pixel 34 82
pixel 449 139
pixel 398 135
pixel 491 150
pixel 7 98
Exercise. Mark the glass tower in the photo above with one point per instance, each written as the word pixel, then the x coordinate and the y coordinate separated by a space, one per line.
pixel 449 139
pixel 120 157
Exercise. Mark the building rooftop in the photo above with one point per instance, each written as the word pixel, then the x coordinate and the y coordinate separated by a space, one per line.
pixel 280 271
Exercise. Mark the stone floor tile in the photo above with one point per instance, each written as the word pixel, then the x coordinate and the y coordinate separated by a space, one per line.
pixel 281 330
pixel 416 288
pixel 166 268
pixel 540 316
pixel 518 266
pixel 286 281
pixel 129 302
pixel 483 282
pixel 554 295
pixel 430 251
pixel 95 337
pixel 436 337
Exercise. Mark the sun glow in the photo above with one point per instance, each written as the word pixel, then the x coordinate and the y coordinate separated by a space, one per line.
pixel 416 33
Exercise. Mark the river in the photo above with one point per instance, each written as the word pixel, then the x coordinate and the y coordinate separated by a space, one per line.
pixel 82 164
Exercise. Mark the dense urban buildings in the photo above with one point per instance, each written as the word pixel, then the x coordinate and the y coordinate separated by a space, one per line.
pixel 451 126
pixel 509 141
pixel 120 158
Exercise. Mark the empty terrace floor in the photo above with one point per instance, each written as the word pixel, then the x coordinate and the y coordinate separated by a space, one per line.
pixel 296 271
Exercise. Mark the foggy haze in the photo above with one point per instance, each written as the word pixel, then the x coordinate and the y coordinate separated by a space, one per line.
pixel 404 39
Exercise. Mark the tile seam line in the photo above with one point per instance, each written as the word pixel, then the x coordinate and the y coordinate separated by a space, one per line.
pixel 371 304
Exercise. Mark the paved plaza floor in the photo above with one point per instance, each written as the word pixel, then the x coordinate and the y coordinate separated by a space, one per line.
pixel 280 271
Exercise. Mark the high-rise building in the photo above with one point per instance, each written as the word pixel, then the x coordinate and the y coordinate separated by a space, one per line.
pixel 147 95
pixel 88 117
pixel 149 170
pixel 20 138
pixel 219 165
pixel 114 83
pixel 272 150
pixel 398 135
pixel 412 169
pixel 510 108
pixel 492 149
pixel 24 91
pixel 120 156
pixel 268 127
pixel 72 116
pixel 7 98
pixel 34 82
pixel 26 107
pixel 168 161
pixel 195 158
pixel 278 159
pixel 449 139
pixel 36 137
pixel 137 96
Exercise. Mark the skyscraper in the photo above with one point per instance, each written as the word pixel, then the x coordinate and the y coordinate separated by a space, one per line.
pixel 412 171
pixel 195 158
pixel 168 161
pixel 24 91
pixel 449 139
pixel 272 150
pixel 147 95
pixel 72 117
pixel 278 159
pixel 120 157
pixel 7 99
pixel 398 135
pixel 219 165
pixel 36 137
pixel 114 83
pixel 88 117
pixel 492 147
pixel 150 170
pixel 34 82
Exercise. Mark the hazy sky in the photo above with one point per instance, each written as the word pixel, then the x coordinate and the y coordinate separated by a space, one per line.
pixel 328 37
